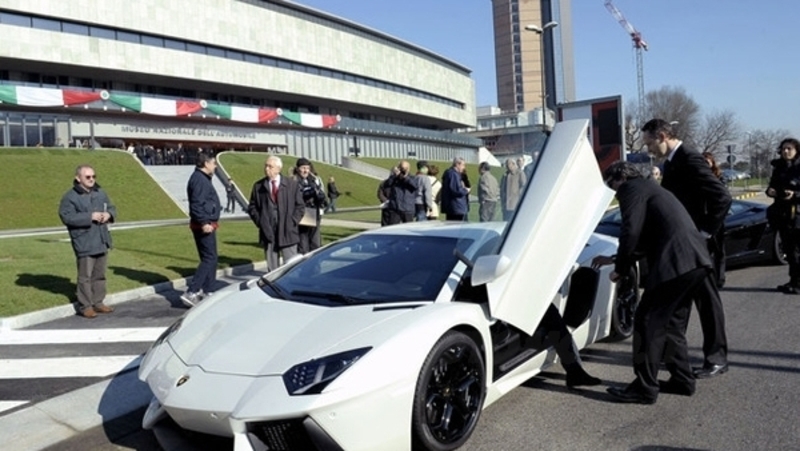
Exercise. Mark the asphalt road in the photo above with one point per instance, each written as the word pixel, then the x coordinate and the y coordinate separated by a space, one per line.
pixel 754 406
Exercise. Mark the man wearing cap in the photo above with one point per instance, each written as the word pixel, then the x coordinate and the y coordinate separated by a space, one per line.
pixel 423 202
pixel 314 200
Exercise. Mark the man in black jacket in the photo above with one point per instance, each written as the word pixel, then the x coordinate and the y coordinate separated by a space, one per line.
pixel 687 175
pixel 86 210
pixel 204 211
pixel 655 224
pixel 276 207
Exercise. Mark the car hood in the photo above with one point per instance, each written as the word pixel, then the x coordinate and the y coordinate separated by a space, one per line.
pixel 249 333
pixel 562 204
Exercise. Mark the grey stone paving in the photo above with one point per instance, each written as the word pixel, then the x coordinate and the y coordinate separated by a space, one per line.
pixel 172 180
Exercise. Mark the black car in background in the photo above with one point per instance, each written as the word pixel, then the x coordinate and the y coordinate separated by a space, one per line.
pixel 748 237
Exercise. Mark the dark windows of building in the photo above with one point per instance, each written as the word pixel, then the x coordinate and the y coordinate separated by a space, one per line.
pixel 102 32
pixel 125 36
pixel 152 40
pixel 15 19
pixel 46 24
pixel 196 48
pixel 174 44
pixel 74 28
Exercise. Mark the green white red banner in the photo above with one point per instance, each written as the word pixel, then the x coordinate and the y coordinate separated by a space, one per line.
pixel 50 97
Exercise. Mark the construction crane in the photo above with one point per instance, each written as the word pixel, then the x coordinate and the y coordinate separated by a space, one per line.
pixel 639 45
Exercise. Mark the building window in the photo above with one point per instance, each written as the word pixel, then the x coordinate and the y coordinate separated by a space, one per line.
pixel 74 28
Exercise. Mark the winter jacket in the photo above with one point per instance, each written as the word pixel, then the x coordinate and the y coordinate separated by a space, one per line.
pixel 204 206
pixel 454 196
pixel 76 208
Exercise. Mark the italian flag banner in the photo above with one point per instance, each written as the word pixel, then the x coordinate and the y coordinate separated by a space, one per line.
pixel 158 107
pixel 29 96
pixel 312 120
pixel 242 114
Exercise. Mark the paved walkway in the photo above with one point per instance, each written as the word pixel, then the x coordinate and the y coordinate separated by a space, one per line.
pixel 172 180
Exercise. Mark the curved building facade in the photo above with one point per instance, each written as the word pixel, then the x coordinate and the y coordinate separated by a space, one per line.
pixel 389 97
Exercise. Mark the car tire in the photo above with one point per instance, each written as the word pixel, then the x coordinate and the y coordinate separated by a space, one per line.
pixel 778 254
pixel 625 304
pixel 449 395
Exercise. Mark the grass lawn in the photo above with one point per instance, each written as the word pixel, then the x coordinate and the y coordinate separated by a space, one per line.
pixel 39 272
pixel 37 179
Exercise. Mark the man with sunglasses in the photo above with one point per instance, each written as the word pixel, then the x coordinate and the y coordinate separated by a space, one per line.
pixel 86 210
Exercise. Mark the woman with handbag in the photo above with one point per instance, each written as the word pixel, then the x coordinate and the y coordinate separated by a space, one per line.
pixel 784 188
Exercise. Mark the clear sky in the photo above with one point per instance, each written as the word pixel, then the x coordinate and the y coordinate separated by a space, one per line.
pixel 727 54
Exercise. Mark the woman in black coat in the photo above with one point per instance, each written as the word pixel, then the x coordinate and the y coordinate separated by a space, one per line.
pixel 784 187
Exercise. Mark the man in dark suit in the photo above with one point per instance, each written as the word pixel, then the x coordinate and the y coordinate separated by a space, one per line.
pixel 276 207
pixel 687 175
pixel 654 224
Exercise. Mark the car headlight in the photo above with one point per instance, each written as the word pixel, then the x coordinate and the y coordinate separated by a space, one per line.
pixel 144 365
pixel 168 332
pixel 312 377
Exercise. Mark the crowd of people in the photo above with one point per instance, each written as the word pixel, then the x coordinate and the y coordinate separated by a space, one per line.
pixel 673 219
pixel 422 196
pixel 157 156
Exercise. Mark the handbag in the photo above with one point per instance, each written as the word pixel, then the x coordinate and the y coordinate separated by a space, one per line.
pixel 310 217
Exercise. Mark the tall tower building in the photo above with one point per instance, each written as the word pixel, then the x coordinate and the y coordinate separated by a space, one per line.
pixel 518 54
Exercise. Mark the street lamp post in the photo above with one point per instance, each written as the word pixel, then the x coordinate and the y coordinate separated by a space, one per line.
pixel 750 154
pixel 540 31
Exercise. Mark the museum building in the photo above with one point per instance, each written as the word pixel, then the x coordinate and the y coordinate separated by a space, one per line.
pixel 227 74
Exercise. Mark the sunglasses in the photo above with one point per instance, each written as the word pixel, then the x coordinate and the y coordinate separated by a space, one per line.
pixel 90 176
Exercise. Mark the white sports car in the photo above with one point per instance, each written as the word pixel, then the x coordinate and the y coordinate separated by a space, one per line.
pixel 395 338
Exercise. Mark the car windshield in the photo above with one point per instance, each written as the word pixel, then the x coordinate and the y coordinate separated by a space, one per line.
pixel 369 269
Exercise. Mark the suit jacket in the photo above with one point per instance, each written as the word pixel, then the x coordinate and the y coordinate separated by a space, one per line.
pixel 655 224
pixel 704 196
pixel 277 222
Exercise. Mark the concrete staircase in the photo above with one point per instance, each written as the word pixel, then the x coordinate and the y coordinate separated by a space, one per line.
pixel 173 181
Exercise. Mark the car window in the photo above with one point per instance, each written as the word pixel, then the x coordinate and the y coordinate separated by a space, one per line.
pixel 373 268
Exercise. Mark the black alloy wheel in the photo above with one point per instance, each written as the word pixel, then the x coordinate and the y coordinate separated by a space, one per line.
pixel 778 254
pixel 625 304
pixel 449 395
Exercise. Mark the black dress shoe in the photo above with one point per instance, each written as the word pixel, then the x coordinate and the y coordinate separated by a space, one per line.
pixel 673 387
pixel 788 288
pixel 629 396
pixel 708 371
pixel 580 377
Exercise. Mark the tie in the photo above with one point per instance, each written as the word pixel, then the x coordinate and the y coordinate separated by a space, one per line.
pixel 275 191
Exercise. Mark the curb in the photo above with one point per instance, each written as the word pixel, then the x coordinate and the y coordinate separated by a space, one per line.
pixel 64 311
pixel 747 195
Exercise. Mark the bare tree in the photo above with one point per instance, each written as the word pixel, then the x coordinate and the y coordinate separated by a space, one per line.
pixel 718 129
pixel 632 128
pixel 673 104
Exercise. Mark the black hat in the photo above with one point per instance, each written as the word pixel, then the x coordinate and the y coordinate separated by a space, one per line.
pixel 302 162
pixel 422 164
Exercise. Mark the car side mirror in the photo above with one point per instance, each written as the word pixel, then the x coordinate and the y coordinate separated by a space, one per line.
pixel 488 268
